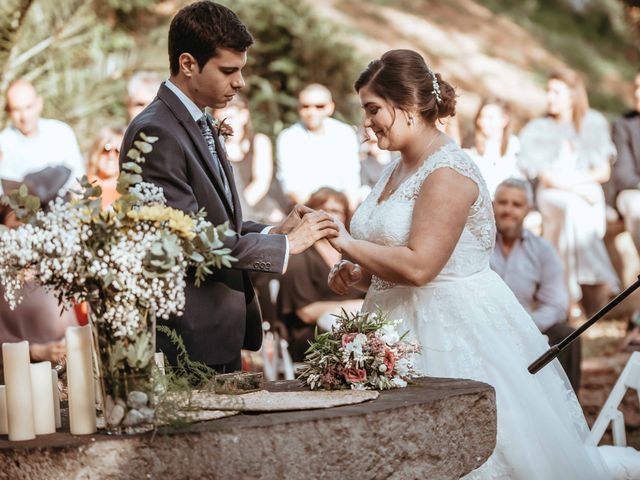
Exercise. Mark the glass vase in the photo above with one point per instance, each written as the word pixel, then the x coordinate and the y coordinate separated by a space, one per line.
pixel 125 374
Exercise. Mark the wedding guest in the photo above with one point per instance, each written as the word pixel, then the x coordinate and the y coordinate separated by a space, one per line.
pixel 305 299
pixel 37 319
pixel 626 169
pixel 141 90
pixel 568 154
pixel 373 159
pixel 532 269
pixel 31 143
pixel 102 167
pixel 319 150
pixel 251 154
pixel 493 147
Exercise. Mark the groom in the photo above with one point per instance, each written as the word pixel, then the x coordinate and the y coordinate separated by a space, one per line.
pixel 207 50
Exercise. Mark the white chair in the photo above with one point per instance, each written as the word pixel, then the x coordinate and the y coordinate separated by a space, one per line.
pixel 622 461
pixel 610 414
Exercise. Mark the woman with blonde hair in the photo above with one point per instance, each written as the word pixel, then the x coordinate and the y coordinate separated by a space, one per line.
pixel 102 167
pixel 568 153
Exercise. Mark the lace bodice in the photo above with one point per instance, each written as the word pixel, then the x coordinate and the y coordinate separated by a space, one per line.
pixel 389 223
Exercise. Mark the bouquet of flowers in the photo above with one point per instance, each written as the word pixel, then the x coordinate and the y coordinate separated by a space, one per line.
pixel 133 255
pixel 362 351
pixel 128 261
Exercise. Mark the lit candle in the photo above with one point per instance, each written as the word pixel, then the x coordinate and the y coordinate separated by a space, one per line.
pixel 4 429
pixel 44 417
pixel 17 378
pixel 81 387
pixel 56 398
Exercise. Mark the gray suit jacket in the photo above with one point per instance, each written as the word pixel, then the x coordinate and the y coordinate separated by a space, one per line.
pixel 626 136
pixel 222 315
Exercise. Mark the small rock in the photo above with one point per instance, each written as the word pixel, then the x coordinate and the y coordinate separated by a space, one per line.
pixel 116 415
pixel 134 417
pixel 121 402
pixel 137 400
pixel 148 413
pixel 108 405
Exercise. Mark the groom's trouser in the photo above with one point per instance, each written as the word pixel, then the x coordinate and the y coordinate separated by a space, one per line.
pixel 232 366
pixel 571 356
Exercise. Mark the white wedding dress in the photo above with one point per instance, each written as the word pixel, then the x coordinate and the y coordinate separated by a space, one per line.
pixel 471 326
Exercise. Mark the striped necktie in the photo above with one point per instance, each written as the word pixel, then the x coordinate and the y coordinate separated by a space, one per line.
pixel 207 133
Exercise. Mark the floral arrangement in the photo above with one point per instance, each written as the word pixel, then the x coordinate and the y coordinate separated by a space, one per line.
pixel 128 262
pixel 129 257
pixel 362 351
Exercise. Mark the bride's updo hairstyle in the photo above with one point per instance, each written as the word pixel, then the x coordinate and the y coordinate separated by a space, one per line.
pixel 404 80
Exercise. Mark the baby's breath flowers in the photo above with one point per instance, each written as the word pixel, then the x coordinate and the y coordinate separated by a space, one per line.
pixel 129 258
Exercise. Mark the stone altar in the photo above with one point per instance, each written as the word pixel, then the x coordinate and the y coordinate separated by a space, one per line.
pixel 436 429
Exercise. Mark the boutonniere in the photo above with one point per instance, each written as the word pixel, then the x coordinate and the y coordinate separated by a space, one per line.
pixel 223 129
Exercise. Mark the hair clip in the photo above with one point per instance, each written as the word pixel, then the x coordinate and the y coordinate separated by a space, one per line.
pixel 436 86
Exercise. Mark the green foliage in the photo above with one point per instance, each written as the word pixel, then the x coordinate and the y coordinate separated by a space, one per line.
pixel 293 48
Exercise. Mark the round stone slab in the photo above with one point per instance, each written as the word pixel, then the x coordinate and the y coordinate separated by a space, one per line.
pixel 435 429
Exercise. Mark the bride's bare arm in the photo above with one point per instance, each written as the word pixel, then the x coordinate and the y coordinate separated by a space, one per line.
pixel 439 216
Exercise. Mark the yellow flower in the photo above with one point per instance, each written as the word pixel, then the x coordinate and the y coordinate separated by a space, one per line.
pixel 178 221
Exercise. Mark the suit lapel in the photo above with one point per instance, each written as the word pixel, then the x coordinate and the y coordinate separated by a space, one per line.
pixel 189 124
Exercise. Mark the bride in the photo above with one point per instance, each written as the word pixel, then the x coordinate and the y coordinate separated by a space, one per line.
pixel 420 247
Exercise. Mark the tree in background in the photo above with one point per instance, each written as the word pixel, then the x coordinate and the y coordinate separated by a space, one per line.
pixel 293 48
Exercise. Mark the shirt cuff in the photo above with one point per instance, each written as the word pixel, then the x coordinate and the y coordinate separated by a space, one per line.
pixel 265 231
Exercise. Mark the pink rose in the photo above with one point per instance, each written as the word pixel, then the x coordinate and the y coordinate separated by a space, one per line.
pixel 354 375
pixel 389 361
pixel 348 338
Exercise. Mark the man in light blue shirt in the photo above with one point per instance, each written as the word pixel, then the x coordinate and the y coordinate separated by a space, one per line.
pixel 532 269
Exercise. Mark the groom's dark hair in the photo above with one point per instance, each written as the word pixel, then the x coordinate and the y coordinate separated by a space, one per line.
pixel 201 28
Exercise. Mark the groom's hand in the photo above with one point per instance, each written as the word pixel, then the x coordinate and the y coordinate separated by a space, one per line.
pixel 292 220
pixel 312 227
pixel 343 275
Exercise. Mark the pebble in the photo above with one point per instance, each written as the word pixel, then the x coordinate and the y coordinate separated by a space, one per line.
pixel 137 400
pixel 134 417
pixel 116 415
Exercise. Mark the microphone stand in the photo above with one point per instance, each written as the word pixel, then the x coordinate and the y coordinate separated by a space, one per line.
pixel 554 351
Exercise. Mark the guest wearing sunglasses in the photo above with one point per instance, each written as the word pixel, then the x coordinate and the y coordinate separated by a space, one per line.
pixel 318 150
pixel 102 167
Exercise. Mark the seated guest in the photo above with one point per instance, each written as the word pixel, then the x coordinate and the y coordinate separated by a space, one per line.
pixel 305 297
pixel 626 169
pixel 318 151
pixel 530 266
pixel 31 143
pixel 141 90
pixel 568 153
pixel 103 168
pixel 493 148
pixel 37 319
pixel 251 154
pixel 373 160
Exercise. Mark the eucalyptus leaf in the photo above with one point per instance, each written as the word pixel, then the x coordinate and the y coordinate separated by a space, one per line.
pixel 144 147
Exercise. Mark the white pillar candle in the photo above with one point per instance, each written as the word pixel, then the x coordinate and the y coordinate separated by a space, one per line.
pixel 17 379
pixel 56 398
pixel 44 418
pixel 4 429
pixel 158 357
pixel 81 387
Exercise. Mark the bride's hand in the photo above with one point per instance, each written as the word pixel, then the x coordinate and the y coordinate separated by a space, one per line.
pixel 343 275
pixel 340 242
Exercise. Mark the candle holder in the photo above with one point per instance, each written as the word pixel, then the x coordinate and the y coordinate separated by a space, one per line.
pixel 124 369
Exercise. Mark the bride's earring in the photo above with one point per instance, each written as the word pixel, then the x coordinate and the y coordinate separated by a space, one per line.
pixel 410 120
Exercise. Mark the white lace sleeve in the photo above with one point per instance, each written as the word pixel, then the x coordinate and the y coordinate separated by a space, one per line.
pixel 481 220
